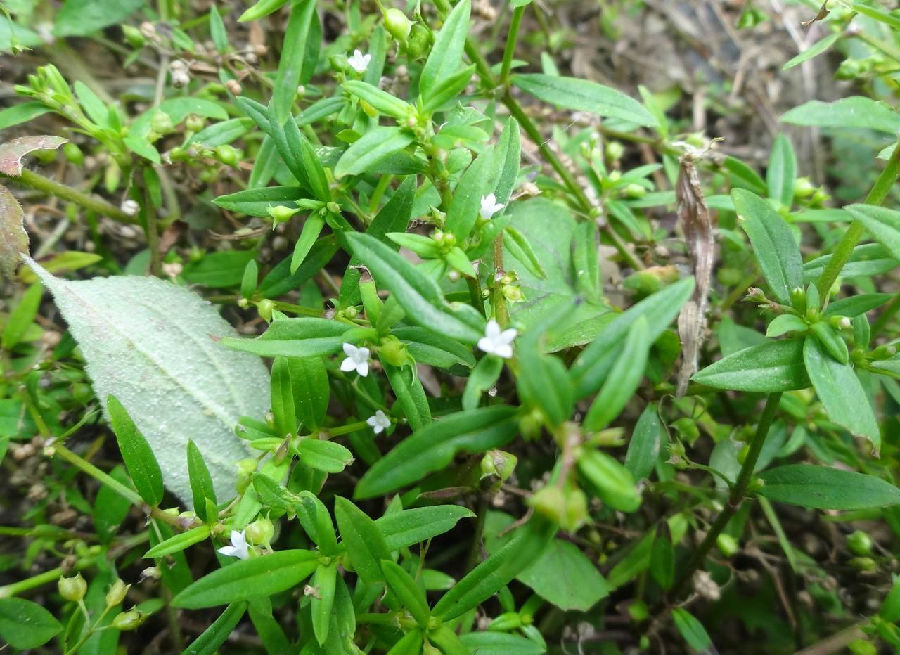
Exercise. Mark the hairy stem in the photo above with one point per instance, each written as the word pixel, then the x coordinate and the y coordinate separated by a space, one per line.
pixel 53 188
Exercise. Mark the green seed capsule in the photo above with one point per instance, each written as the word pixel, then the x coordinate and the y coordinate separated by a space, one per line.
pixel 73 153
pixel 609 480
pixel 397 24
pixel 73 588
pixel 859 543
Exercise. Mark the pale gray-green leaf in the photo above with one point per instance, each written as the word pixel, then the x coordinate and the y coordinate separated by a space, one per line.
pixel 150 344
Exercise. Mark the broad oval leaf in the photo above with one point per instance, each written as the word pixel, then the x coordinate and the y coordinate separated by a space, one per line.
pixel 841 392
pixel 434 447
pixel 249 578
pixel 820 487
pixel 148 342
pixel 773 243
pixel 584 95
pixel 24 624
pixel 766 368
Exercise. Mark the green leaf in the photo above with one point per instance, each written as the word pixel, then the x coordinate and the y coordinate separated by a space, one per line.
pixel 290 63
pixel 282 394
pixel 448 89
pixel 517 244
pixel 429 347
pixel 217 31
pixel 25 625
pixel 321 605
pixel 857 305
pixel 623 379
pixel 508 155
pixel 434 447
pixel 411 597
pixel 766 368
pixel 634 562
pixel 867 260
pixel 294 337
pixel 309 384
pixel 662 562
pixel 744 177
pixel 565 577
pixel 179 542
pixel 256 202
pixel 22 112
pixel 201 482
pixel 13 237
pixel 374 145
pixel 209 641
pixel 584 95
pixel 466 200
pixel 249 578
pixel 410 394
pixel 136 453
pixel 219 270
pixel 841 392
pixel 490 642
pixel 594 363
pixel 382 101
pixel 784 323
pixel 417 293
pixel 81 17
pixel 366 546
pixel 773 243
pixel 816 48
pixel 853 112
pixel 267 627
pixel 645 443
pixel 882 223
pixel 481 378
pixel 782 171
pixel 327 456
pixel 831 341
pixel 692 630
pixel 412 526
pixel 496 571
pixel 446 53
pixel 22 316
pixel 222 133
pixel 820 487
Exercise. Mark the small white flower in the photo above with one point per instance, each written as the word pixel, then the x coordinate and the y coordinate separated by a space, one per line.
pixel 357 359
pixel 238 547
pixel 497 342
pixel 379 422
pixel 130 207
pixel 358 61
pixel 489 206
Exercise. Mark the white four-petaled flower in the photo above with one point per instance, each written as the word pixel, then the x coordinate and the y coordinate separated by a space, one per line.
pixel 497 342
pixel 358 61
pixel 357 359
pixel 238 546
pixel 489 206
pixel 379 422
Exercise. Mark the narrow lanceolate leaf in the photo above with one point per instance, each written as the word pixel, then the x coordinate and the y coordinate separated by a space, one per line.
pixel 412 526
pixel 773 243
pixel 466 200
pixel 446 53
pixel 623 379
pixel 215 635
pixel 365 544
pixel 179 542
pixel 645 444
pixel 781 171
pixel 249 578
pixel 290 64
pixel 148 342
pixel 201 482
pixel 374 145
pixel 487 578
pixel 136 453
pixel 816 48
pixel 766 368
pixel 593 365
pixel 382 101
pixel 13 237
pixel 820 487
pixel 841 392
pixel 418 294
pixel 294 337
pixel 584 95
pixel 407 591
pixel 692 630
pixel 435 446
pixel 882 223
pixel 855 111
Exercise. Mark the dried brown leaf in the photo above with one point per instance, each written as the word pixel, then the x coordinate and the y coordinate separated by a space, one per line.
pixel 13 237
pixel 12 152
pixel 696 222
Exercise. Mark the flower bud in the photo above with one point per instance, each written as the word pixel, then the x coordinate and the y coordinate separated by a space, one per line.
pixel 566 506
pixel 73 588
pixel 133 36
pixel 614 151
pixel 803 188
pixel 419 41
pixel 727 545
pixel 634 191
pixel 397 24
pixel 265 307
pixel 116 593
pixel 499 463
pixel 260 532
pixel 638 611
pixel 73 153
pixel 228 155
pixel 859 543
pixel 281 213
pixel 863 564
pixel 392 351
pixel 161 123
pixel 130 620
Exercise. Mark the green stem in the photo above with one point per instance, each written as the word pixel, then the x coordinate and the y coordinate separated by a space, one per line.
pixel 844 249
pixel 152 230
pixel 735 498
pixel 50 187
pixel 510 48
pixel 94 472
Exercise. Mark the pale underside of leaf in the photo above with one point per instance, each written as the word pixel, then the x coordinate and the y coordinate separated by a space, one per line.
pixel 149 343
